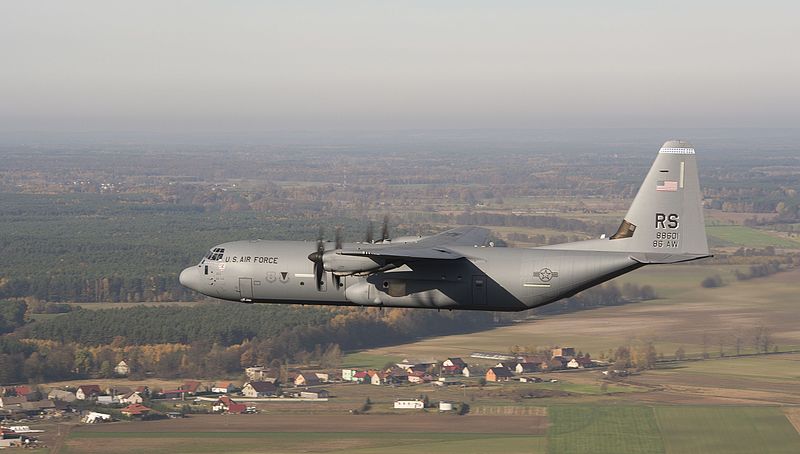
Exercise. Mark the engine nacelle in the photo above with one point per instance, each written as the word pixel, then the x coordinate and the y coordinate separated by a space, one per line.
pixel 350 264
pixel 363 294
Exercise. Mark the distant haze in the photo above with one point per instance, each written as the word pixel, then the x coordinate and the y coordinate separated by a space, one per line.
pixel 183 66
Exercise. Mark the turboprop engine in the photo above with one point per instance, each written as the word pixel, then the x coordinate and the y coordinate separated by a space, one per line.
pixel 345 265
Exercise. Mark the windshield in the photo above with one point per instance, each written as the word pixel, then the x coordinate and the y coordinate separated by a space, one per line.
pixel 215 254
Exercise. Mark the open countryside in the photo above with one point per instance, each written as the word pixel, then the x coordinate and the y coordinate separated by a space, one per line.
pixel 103 348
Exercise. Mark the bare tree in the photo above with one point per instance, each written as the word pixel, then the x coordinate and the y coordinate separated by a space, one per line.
pixel 762 339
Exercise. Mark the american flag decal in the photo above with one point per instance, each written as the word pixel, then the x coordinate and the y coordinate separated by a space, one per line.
pixel 666 185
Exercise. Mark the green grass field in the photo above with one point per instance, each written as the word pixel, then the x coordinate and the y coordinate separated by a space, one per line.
pixel 780 367
pixel 263 442
pixel 362 360
pixel 601 429
pixel 738 235
pixel 745 430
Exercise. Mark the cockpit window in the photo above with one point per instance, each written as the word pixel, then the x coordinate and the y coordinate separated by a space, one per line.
pixel 216 254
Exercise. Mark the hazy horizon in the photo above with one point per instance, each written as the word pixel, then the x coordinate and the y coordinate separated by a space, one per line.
pixel 192 67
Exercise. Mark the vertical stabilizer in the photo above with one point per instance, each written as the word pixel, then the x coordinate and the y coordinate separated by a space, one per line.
pixel 666 217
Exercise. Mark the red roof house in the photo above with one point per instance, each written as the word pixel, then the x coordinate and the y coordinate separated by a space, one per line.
pixel 136 410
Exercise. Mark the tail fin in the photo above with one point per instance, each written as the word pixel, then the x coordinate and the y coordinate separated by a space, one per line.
pixel 666 217
pixel 665 221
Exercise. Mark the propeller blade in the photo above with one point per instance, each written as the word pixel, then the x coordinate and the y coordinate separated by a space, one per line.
pixel 370 237
pixel 338 237
pixel 318 274
pixel 316 257
pixel 385 228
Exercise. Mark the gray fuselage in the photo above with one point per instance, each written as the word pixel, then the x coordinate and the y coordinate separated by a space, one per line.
pixel 494 279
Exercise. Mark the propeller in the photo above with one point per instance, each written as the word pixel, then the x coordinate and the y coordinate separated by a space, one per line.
pixel 316 257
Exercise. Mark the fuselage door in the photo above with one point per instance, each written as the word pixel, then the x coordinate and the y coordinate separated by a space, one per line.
pixel 479 290
pixel 246 288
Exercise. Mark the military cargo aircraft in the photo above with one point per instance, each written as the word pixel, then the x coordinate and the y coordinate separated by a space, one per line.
pixel 456 269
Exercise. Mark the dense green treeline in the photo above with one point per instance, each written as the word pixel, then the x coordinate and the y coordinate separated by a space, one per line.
pixel 232 323
pixel 223 323
pixel 12 315
pixel 92 247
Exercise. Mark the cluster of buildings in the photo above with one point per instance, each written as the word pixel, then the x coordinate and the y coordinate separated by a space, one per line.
pixel 23 401
pixel 507 368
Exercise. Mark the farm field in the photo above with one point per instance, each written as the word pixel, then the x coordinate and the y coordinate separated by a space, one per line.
pixel 576 428
pixel 292 433
pixel 726 429
pixel 599 429
pixel 739 235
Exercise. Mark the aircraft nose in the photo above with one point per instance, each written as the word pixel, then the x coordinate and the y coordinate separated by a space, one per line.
pixel 190 278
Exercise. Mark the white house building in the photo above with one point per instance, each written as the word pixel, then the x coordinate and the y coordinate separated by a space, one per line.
pixel 409 404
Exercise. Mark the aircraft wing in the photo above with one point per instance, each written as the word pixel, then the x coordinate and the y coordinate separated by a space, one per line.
pixel 432 248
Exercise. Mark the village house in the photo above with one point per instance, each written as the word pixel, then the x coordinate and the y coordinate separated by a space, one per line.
pixel 376 377
pixel 259 389
pixel 416 366
pixel 132 398
pixel 306 379
pixel 496 374
pixel 117 392
pixel 529 379
pixel 62 395
pixel 409 404
pixel 137 411
pixel 190 387
pixel 466 371
pixel 347 374
pixel 94 417
pixel 454 362
pixel 360 377
pixel 563 351
pixel 225 387
pixel 12 402
pixel 419 377
pixel 314 394
pixel 523 368
pixel 122 369
pixel 323 377
pixel 87 392
pixel 37 407
pixel 105 399
pixel 453 366
pixel 144 390
pixel 555 363
pixel 227 405
pixel 22 390
pixel 260 373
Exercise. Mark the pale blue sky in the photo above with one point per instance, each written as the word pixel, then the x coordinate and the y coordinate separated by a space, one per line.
pixel 250 65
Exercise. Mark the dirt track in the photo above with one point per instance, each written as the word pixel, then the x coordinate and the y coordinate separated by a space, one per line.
pixel 433 423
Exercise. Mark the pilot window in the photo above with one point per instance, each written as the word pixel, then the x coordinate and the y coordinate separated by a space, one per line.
pixel 216 254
